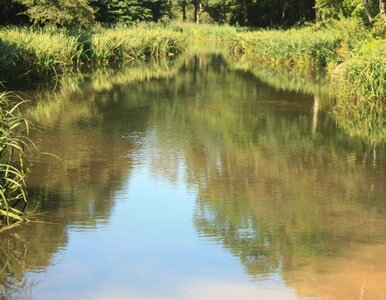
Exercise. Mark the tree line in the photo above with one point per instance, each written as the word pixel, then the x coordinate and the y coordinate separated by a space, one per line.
pixel 254 13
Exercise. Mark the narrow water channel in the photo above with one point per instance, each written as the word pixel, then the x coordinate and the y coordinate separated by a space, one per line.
pixel 200 183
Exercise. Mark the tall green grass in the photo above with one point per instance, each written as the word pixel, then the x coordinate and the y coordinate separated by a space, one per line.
pixel 46 51
pixel 348 54
pixel 124 44
pixel 37 51
pixel 363 74
pixel 204 33
pixel 13 167
pixel 297 47
pixel 360 85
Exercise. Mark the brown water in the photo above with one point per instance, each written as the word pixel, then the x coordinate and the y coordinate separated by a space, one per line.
pixel 196 181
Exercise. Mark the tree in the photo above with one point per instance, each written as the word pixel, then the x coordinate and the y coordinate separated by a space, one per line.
pixel 382 11
pixel 368 11
pixel 334 9
pixel 219 10
pixel 158 8
pixel 59 12
pixel 125 11
pixel 197 9
pixel 183 4
pixel 10 12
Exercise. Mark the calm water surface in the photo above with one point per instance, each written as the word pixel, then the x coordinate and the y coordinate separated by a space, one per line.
pixel 198 182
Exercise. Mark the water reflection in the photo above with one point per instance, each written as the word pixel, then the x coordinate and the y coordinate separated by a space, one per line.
pixel 296 201
pixel 282 192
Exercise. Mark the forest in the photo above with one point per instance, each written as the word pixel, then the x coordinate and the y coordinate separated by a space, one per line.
pixel 252 13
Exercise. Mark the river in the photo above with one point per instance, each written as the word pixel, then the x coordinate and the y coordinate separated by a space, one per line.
pixel 196 181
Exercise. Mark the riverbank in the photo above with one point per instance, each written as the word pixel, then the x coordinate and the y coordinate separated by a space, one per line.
pixel 350 55
pixel 42 53
pixel 350 60
pixel 353 59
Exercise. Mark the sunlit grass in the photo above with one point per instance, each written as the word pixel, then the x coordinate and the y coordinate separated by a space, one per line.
pixel 38 51
pixel 13 167
pixel 363 75
pixel 124 44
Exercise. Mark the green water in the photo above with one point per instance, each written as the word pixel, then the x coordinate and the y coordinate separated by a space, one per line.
pixel 197 181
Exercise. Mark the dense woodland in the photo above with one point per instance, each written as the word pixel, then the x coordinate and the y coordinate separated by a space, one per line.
pixel 254 13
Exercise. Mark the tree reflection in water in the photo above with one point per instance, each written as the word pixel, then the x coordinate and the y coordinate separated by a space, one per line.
pixel 278 184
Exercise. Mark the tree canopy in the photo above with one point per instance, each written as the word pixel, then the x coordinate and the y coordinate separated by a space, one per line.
pixel 255 13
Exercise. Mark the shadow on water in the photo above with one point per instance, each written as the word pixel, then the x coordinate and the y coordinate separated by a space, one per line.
pixel 279 184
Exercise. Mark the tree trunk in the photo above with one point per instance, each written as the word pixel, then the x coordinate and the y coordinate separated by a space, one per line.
pixel 245 13
pixel 382 10
pixel 170 9
pixel 368 11
pixel 224 11
pixel 184 11
pixel 196 11
pixel 284 11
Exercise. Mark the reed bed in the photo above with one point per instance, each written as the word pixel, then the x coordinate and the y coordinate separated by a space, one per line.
pixel 351 58
pixel 360 84
pixel 125 44
pixel 205 33
pixel 297 47
pixel 13 167
pixel 363 75
pixel 44 52
pixel 41 52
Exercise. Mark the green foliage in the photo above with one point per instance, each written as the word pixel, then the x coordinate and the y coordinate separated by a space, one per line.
pixel 130 11
pixel 261 13
pixel 336 9
pixel 10 12
pixel 253 13
pixel 120 11
pixel 59 12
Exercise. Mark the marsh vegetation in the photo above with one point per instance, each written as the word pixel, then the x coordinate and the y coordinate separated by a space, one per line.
pixel 13 167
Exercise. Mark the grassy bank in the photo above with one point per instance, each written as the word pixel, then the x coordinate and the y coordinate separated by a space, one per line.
pixel 345 51
pixel 38 52
pixel 13 168
pixel 305 48
pixel 123 44
pixel 308 47
pixel 41 53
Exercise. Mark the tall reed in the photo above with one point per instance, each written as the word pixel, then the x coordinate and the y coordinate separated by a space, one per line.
pixel 363 74
pixel 13 167
pixel 124 44
pixel 296 47
pixel 41 52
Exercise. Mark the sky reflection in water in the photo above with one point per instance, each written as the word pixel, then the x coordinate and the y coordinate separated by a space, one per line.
pixel 198 182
